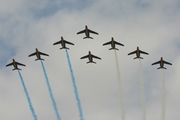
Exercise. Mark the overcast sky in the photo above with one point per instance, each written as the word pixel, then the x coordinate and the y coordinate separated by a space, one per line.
pixel 29 24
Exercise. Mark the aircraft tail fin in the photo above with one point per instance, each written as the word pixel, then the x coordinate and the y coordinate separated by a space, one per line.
pixel 39 59
pixel 161 67
pixel 113 48
pixel 91 62
pixel 87 37
pixel 138 57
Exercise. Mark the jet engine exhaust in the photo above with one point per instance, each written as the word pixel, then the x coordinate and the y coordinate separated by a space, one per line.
pixel 142 92
pixel 163 109
pixel 27 95
pixel 75 87
pixel 120 88
pixel 50 92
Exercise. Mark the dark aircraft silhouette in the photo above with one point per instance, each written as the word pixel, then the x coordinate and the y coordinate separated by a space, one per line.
pixel 161 62
pixel 90 57
pixel 15 64
pixel 38 55
pixel 87 32
pixel 63 43
pixel 113 44
pixel 138 52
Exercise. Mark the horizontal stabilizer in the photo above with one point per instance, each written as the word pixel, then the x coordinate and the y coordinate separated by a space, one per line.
pixel 39 59
pixel 64 48
pixel 138 57
pixel 87 37
pixel 161 68
pixel 92 62
pixel 16 69
pixel 113 48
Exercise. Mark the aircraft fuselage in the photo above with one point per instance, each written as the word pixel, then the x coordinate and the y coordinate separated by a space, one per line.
pixel 86 31
pixel 90 57
pixel 38 54
pixel 112 43
pixel 14 64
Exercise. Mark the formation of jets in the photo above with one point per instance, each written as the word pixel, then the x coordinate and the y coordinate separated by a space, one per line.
pixel 90 56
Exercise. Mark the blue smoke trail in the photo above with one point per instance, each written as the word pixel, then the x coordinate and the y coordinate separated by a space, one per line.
pixel 50 92
pixel 75 88
pixel 28 98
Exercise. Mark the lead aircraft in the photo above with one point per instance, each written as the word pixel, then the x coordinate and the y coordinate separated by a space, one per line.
pixel 87 32
pixel 63 43
pixel 138 52
pixel 38 55
pixel 15 64
pixel 161 62
pixel 113 44
pixel 90 57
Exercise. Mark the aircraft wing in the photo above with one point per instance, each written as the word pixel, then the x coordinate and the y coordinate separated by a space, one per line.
pixel 20 64
pixel 57 43
pixel 132 52
pixel 43 54
pixel 167 63
pixel 107 43
pixel 118 43
pixel 81 32
pixel 93 32
pixel 156 62
pixel 9 64
pixel 68 42
pixel 143 52
pixel 32 54
pixel 96 57
pixel 85 57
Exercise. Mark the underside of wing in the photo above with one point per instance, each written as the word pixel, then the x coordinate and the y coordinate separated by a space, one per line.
pixel 57 43
pixel 118 43
pixel 85 57
pixel 143 52
pixel 20 64
pixel 132 52
pixel 158 62
pixel 167 63
pixel 107 43
pixel 93 32
pixel 32 54
pixel 81 32
pixel 9 64
pixel 96 57
pixel 43 54
pixel 68 42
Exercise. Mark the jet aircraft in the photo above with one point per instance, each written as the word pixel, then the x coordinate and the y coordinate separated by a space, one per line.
pixel 138 52
pixel 38 55
pixel 87 32
pixel 113 44
pixel 161 62
pixel 90 57
pixel 15 64
pixel 63 43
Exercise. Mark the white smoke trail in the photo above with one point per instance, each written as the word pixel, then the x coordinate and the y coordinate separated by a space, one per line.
pixel 120 88
pixel 163 97
pixel 142 92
